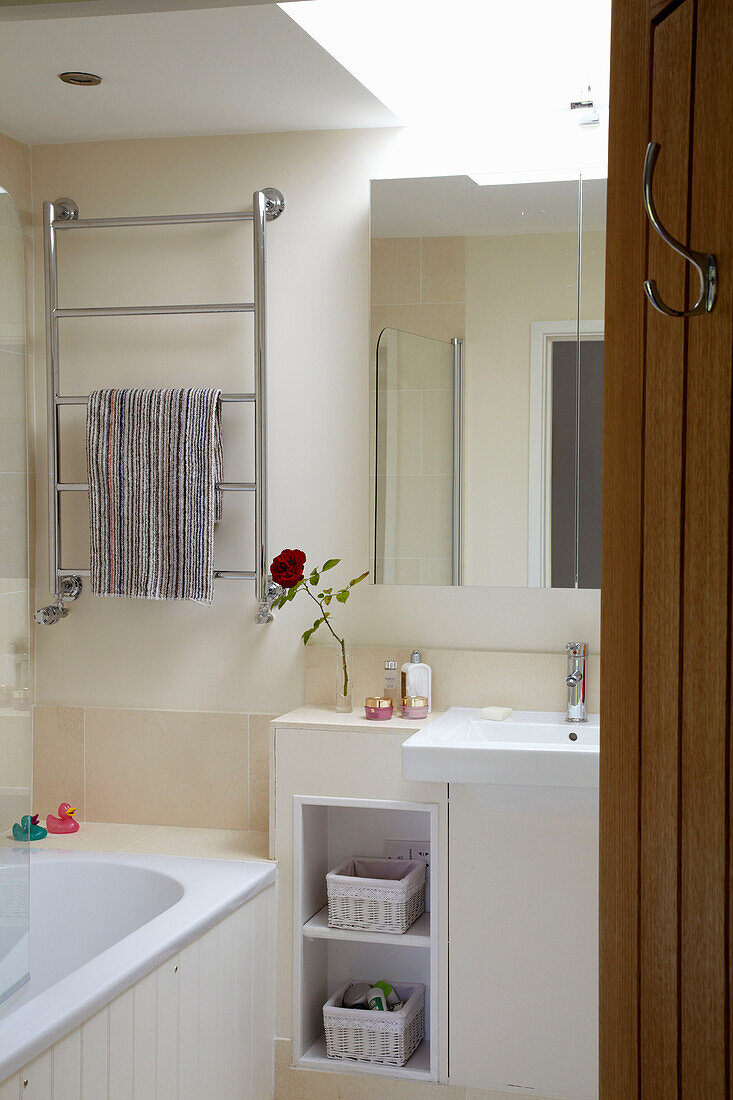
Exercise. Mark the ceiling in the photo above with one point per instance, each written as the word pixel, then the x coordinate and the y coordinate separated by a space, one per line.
pixel 236 69
pixel 60 9
pixel 455 206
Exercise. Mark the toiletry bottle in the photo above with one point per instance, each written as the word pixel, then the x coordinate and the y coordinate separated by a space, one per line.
pixel 417 678
pixel 392 683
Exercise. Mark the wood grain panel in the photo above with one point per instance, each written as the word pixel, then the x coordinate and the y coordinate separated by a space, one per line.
pixel 670 774
pixel 704 902
pixel 621 569
pixel 662 569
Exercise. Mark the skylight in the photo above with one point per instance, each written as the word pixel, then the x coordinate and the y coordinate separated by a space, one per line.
pixel 491 79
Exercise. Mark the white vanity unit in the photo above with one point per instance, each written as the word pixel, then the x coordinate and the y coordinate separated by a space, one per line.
pixel 508 948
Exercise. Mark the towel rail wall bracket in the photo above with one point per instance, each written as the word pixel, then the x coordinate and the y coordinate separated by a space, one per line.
pixel 63 214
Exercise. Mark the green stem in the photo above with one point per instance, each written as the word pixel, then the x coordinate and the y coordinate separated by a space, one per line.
pixel 340 641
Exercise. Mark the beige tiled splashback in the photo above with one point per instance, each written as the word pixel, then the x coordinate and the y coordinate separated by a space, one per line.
pixel 153 767
pixel 461 677
pixel 211 770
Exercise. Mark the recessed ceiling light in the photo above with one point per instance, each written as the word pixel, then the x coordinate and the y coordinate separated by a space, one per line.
pixel 81 80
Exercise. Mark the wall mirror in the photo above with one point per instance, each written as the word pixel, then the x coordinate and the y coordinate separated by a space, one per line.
pixel 487 381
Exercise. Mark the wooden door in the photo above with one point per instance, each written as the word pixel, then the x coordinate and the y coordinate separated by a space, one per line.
pixel 666 588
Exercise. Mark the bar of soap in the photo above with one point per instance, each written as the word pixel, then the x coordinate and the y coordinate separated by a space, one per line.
pixel 496 714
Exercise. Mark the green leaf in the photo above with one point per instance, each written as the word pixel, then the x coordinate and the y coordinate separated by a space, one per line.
pixel 327 599
pixel 343 596
pixel 281 601
pixel 357 579
pixel 330 564
pixel 307 635
pixel 314 577
pixel 292 591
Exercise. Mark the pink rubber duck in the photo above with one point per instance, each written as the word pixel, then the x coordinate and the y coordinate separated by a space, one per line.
pixel 64 823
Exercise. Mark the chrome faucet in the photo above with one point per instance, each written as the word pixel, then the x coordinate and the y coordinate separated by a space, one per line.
pixel 575 679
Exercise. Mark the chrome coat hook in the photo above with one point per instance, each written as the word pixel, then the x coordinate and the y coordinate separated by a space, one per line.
pixel 703 262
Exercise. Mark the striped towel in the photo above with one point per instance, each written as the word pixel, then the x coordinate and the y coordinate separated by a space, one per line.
pixel 154 458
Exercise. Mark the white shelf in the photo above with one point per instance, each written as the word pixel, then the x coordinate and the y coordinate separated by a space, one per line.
pixel 417 935
pixel 327 831
pixel 417 1069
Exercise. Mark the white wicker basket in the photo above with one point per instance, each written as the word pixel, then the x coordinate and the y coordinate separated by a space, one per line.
pixel 366 1035
pixel 376 895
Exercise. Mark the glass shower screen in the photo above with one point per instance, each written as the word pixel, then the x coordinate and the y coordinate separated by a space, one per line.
pixel 15 733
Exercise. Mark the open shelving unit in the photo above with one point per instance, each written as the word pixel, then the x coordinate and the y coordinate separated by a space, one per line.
pixel 327 831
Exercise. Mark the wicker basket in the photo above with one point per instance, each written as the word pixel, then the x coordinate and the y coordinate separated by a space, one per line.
pixel 376 895
pixel 365 1035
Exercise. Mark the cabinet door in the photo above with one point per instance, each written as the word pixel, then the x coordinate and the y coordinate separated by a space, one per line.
pixel 667 548
pixel 523 947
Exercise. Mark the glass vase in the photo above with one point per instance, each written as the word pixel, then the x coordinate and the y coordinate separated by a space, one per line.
pixel 345 700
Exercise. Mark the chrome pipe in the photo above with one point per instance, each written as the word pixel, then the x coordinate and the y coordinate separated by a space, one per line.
pixel 63 214
pixel 224 486
pixel 575 680
pixel 153 311
pixel 578 383
pixel 220 574
pixel 259 260
pixel 457 569
pixel 154 219
pixel 52 380
pixel 226 398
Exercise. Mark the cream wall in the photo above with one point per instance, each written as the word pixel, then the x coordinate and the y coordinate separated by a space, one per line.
pixel 510 282
pixel 185 657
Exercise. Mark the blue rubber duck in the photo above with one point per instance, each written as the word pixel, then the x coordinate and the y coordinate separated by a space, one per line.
pixel 29 829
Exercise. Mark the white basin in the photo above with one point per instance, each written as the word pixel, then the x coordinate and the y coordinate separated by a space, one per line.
pixel 532 748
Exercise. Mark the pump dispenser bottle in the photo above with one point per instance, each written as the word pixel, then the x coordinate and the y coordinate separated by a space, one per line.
pixel 417 679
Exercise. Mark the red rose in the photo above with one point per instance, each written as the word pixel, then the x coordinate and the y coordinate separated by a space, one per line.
pixel 287 568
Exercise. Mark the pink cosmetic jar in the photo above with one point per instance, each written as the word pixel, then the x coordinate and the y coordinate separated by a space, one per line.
pixel 377 708
pixel 415 706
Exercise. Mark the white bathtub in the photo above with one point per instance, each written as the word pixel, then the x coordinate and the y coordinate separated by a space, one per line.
pixel 144 968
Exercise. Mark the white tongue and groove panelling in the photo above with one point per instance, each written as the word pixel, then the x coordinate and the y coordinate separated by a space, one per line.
pixel 200 1025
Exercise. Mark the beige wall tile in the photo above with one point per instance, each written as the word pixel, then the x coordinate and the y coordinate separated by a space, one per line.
pixel 12 281
pixel 15 175
pixel 395 270
pixel 259 771
pixel 523 681
pixel 436 438
pixel 461 677
pixel 167 768
pixel 423 508
pixel 398 570
pixel 436 571
pixel 319 674
pixel 58 759
pixel 443 269
pixel 399 430
pixel 322 663
pixel 15 744
pixel 439 322
pixel 104 836
pixel 14 550
pixel 171 840
pixel 301 1084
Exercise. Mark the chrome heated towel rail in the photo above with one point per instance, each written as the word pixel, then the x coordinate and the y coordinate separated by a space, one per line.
pixel 66 583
